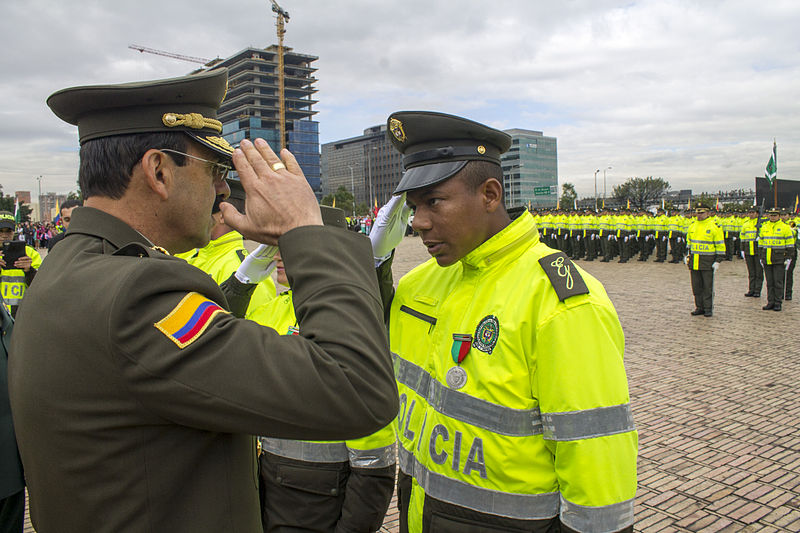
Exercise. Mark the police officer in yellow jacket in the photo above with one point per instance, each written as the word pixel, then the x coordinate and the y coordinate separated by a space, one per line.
pixel 15 278
pixel 331 486
pixel 706 245
pixel 776 241
pixel 503 423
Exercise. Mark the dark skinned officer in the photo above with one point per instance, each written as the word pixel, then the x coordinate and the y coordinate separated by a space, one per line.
pixel 505 423
pixel 136 413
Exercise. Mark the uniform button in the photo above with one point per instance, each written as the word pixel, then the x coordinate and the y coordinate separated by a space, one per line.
pixel 279 479
pixel 334 492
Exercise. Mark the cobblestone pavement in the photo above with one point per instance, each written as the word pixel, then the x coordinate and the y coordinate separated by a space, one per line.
pixel 715 399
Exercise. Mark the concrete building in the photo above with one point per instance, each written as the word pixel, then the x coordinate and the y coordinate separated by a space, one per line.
pixel 47 205
pixel 530 169
pixel 251 107
pixel 367 166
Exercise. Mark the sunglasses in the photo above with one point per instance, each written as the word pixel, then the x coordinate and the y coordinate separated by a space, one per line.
pixel 219 171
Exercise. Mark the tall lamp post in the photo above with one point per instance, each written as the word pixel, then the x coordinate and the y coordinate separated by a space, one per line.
pixel 604 184
pixel 369 171
pixel 595 188
pixel 39 200
pixel 352 190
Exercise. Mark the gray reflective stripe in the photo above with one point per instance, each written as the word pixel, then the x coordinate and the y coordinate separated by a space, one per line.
pixel 587 424
pixel 313 452
pixel 508 504
pixel 12 279
pixel 603 519
pixel 375 458
pixel 465 408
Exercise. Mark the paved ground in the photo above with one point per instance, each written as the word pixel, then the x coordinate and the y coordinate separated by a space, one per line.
pixel 715 399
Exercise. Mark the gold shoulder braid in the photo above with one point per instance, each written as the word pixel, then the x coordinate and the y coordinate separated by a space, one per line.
pixel 196 121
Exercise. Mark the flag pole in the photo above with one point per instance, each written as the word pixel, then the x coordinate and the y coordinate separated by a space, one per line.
pixel 775 181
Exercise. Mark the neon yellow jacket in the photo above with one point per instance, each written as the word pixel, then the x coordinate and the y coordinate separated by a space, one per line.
pixel 536 423
pixel 748 235
pixel 373 451
pixel 706 244
pixel 221 257
pixel 776 241
pixel 12 280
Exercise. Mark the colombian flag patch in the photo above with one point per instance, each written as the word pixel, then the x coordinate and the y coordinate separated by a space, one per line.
pixel 190 318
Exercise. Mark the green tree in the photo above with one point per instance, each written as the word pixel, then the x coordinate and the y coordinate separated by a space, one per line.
pixel 344 200
pixel 568 196
pixel 641 191
pixel 8 203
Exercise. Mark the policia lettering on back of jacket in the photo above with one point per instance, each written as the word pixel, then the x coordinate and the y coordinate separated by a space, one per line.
pixel 514 406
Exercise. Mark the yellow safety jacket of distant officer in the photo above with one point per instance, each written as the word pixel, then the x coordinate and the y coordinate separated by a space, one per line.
pixel 706 244
pixel 533 423
pixel 12 280
pixel 748 234
pixel 776 241
pixel 221 257
pixel 373 451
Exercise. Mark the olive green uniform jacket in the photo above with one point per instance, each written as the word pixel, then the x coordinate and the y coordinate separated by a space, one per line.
pixel 126 424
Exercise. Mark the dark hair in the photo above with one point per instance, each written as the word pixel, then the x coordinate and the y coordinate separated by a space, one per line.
pixel 477 172
pixel 107 162
pixel 70 204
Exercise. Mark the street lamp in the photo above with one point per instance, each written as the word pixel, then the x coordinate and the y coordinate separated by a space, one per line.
pixel 604 184
pixel 369 171
pixel 595 188
pixel 352 190
pixel 39 200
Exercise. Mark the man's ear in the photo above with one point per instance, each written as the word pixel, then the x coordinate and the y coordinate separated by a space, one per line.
pixel 159 173
pixel 492 192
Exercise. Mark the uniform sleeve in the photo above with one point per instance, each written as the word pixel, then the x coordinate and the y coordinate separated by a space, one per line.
pixel 206 369
pixel 588 425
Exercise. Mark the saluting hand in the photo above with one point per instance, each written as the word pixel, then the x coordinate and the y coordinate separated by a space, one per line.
pixel 278 197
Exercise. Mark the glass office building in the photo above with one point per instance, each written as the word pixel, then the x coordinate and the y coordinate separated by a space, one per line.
pixel 530 170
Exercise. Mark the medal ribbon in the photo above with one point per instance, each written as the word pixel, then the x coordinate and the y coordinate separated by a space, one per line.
pixel 461 346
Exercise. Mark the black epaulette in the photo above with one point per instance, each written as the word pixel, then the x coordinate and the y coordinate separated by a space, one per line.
pixel 564 276
pixel 136 249
pixel 241 254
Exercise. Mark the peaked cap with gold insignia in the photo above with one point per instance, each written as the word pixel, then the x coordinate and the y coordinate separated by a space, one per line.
pixel 436 146
pixel 188 104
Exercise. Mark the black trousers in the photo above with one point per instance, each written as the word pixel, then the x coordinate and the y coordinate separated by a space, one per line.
pixel 775 276
pixel 787 290
pixel 12 513
pixel 703 289
pixel 755 274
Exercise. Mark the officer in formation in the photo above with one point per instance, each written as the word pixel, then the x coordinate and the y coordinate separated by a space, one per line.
pixel 750 253
pixel 503 424
pixel 786 217
pixel 777 247
pixel 17 267
pixel 151 391
pixel 706 245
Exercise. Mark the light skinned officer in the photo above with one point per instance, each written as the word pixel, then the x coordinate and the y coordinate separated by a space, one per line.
pixel 15 278
pixel 138 412
pixel 65 212
pixel 750 254
pixel 792 253
pixel 225 252
pixel 776 241
pixel 329 486
pixel 503 424
pixel 706 245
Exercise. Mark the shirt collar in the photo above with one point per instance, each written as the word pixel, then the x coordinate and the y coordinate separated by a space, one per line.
pixel 509 242
pixel 97 223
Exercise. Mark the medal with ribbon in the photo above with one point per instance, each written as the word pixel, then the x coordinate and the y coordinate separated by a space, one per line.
pixel 461 346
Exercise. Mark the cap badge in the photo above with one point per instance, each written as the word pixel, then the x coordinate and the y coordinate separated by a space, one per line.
pixel 397 130
pixel 196 121
pixel 481 149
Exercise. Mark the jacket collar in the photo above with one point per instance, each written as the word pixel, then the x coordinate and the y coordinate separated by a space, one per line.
pixel 97 223
pixel 508 243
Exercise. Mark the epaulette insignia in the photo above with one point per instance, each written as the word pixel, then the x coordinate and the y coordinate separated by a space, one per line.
pixel 134 249
pixel 563 275
pixel 160 249
pixel 190 318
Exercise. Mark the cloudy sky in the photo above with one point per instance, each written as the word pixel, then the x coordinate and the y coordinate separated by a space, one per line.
pixel 690 91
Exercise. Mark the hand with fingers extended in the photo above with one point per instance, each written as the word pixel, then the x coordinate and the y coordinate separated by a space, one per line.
pixel 278 197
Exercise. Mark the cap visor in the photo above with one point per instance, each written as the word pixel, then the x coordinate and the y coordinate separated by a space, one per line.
pixel 214 142
pixel 426 175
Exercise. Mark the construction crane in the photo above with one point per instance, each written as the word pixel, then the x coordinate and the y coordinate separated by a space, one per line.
pixel 190 59
pixel 282 17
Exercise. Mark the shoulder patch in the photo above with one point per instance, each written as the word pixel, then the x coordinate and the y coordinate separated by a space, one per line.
pixel 563 275
pixel 190 318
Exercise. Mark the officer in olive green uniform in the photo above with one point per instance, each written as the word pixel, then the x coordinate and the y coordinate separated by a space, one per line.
pixel 12 483
pixel 135 410
pixel 792 256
